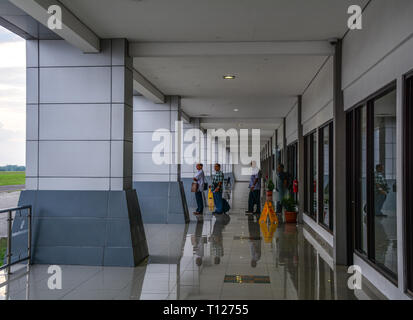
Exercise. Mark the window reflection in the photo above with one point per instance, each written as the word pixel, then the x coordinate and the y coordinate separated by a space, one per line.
pixel 363 179
pixel 385 181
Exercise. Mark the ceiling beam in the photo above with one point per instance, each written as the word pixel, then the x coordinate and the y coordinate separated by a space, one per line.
pixel 185 49
pixel 147 89
pixel 274 121
pixel 267 124
pixel 73 30
pixel 185 117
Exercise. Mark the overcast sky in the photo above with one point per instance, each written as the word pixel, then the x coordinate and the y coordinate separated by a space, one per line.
pixel 12 98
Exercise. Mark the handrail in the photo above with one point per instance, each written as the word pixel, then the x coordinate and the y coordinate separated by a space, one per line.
pixel 15 209
pixel 10 233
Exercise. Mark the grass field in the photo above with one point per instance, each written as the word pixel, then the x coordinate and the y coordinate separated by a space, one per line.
pixel 3 248
pixel 10 178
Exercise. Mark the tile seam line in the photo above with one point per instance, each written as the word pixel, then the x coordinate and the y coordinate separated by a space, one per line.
pixel 77 287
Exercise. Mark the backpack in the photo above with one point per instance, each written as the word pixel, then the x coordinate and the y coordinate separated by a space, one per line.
pixel 225 205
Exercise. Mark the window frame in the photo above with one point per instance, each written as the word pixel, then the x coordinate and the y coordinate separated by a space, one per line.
pixel 292 163
pixel 407 182
pixel 330 126
pixel 309 174
pixel 353 201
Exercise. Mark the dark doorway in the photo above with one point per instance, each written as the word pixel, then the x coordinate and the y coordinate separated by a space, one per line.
pixel 408 184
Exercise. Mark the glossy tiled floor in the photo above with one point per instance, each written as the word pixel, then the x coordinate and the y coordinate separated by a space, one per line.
pixel 223 257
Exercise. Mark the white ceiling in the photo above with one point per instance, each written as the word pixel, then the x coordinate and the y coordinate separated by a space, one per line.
pixel 266 85
pixel 267 130
pixel 214 20
pixel 249 107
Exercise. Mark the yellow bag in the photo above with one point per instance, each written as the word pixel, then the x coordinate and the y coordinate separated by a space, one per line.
pixel 211 204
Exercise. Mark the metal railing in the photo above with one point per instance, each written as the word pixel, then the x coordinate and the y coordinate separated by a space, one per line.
pixel 10 219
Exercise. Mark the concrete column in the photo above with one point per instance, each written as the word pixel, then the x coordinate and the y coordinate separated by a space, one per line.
pixel 79 155
pixel 149 117
pixel 341 253
pixel 159 186
pixel 79 117
pixel 301 161
pixel 188 165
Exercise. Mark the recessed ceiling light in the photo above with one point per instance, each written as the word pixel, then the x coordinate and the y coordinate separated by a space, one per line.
pixel 229 77
pixel 236 110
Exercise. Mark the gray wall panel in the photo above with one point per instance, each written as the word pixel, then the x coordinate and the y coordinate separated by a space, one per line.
pixel 75 122
pixel 56 53
pixel 74 158
pixel 75 85
pixel 76 227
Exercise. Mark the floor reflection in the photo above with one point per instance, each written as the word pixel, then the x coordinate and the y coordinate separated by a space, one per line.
pixel 229 257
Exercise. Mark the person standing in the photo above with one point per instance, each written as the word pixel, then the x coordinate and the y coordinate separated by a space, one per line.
pixel 254 240
pixel 198 242
pixel 217 188
pixel 255 189
pixel 382 190
pixel 216 239
pixel 281 186
pixel 200 180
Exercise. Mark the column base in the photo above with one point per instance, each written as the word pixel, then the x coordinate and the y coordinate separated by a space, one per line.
pixel 190 197
pixel 162 202
pixel 94 228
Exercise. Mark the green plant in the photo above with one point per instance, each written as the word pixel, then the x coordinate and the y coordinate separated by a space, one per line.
pixel 270 186
pixel 289 204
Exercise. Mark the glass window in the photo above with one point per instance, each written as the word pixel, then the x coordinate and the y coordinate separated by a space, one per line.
pixel 326 176
pixel 385 181
pixel 292 166
pixel 311 172
pixel 408 176
pixel 326 152
pixel 363 180
pixel 373 168
pixel 306 173
pixel 314 188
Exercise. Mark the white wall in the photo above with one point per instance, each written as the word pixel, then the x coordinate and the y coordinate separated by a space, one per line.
pixel 381 52
pixel 79 117
pixel 188 168
pixel 292 125
pixel 317 103
pixel 238 173
pixel 280 140
pixel 373 58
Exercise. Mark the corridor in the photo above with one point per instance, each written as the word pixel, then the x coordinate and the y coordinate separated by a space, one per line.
pixel 215 257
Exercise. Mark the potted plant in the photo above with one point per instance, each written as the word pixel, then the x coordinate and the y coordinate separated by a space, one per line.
pixel 290 206
pixel 270 189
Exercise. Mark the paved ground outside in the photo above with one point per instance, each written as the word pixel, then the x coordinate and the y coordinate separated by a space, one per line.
pixel 11 188
pixel 8 199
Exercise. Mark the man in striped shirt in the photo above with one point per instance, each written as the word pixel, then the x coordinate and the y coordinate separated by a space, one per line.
pixel 216 187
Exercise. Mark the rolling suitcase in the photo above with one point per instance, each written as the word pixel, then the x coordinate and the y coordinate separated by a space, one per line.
pixel 225 206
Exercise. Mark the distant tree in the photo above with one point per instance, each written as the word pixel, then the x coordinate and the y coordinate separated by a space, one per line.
pixel 13 168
